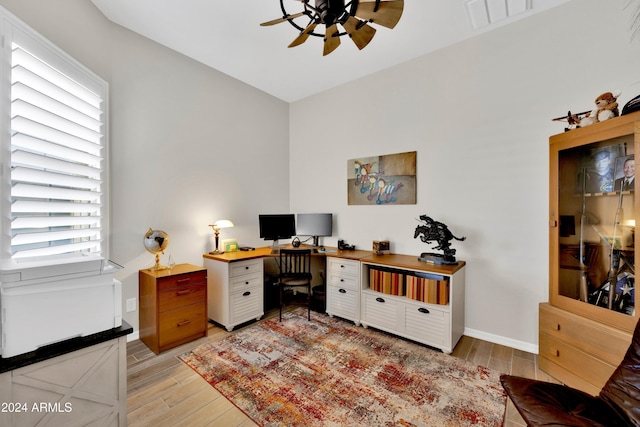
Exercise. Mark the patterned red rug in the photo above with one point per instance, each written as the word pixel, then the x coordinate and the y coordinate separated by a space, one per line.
pixel 328 372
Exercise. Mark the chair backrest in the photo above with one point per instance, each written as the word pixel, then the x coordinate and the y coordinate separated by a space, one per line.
pixel 295 262
pixel 622 390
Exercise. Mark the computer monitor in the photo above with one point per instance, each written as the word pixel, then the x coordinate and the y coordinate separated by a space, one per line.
pixel 315 225
pixel 277 226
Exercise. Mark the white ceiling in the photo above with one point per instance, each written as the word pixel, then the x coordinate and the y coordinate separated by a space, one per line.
pixel 226 35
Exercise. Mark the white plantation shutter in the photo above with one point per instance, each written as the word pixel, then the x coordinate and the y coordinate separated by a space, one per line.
pixel 57 158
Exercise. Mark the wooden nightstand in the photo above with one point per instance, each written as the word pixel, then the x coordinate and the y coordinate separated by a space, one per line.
pixel 173 306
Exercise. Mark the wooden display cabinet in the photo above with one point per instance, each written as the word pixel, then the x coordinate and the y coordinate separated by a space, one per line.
pixel 592 217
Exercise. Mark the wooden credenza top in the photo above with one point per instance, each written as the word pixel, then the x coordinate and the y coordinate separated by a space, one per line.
pixel 411 262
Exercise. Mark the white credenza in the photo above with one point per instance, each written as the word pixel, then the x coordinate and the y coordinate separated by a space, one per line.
pixel 435 324
pixel 343 288
pixel 78 382
pixel 235 290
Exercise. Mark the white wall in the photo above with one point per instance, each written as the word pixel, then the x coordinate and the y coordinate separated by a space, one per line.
pixel 189 145
pixel 478 113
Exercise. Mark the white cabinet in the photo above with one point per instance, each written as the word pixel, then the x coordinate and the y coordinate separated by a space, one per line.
pixel 343 288
pixel 437 325
pixel 235 291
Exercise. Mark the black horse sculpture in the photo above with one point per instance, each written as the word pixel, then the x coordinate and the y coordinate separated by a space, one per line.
pixel 436 231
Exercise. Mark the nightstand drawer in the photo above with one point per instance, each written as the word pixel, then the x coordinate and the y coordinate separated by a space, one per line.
pixel 240 268
pixel 182 280
pixel 181 323
pixel 183 296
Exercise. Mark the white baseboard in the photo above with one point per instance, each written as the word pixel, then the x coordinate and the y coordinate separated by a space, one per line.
pixel 135 335
pixel 497 339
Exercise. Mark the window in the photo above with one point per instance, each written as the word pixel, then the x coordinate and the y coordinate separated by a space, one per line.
pixel 56 115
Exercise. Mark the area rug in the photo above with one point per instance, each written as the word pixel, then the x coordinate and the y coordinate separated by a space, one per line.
pixel 329 372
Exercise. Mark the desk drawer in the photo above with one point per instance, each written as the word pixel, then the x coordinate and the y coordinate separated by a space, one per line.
pixel 241 268
pixel 182 323
pixel 182 280
pixel 246 305
pixel 380 310
pixel 344 302
pixel 426 324
pixel 343 281
pixel 341 267
pixel 245 282
pixel 182 296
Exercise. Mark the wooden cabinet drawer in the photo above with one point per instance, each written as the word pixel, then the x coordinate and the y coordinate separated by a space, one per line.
pixel 182 280
pixel 240 268
pixel 588 336
pixel 343 267
pixel 181 323
pixel 182 296
pixel 573 360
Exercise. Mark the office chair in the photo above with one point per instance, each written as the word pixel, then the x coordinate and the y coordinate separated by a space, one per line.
pixel 548 404
pixel 295 272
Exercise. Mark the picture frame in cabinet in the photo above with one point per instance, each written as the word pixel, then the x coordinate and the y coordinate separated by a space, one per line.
pixel 625 170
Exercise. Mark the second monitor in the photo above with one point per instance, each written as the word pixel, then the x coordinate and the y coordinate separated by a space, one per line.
pixel 314 225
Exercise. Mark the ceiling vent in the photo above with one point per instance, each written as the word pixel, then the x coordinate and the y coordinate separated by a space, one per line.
pixel 484 12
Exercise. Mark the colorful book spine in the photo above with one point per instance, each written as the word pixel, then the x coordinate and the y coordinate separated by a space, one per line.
pixel 429 290
pixel 387 281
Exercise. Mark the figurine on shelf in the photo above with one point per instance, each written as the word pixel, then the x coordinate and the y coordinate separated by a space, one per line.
pixel 431 230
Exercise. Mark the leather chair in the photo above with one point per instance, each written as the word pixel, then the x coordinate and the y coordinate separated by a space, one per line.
pixel 295 272
pixel 546 404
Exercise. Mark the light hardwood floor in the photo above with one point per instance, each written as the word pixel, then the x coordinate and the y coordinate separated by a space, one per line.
pixel 163 391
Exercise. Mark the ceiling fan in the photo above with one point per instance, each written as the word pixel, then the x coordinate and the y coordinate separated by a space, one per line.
pixel 353 16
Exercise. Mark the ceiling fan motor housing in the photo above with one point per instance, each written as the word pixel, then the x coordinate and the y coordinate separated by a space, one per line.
pixel 330 11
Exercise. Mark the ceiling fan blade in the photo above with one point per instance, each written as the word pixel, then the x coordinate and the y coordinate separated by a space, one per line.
pixel 331 42
pixel 304 35
pixel 359 31
pixel 284 18
pixel 387 15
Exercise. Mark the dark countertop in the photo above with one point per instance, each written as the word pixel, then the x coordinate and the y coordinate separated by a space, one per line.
pixel 63 347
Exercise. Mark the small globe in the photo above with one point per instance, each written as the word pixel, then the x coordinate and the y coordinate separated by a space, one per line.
pixel 155 242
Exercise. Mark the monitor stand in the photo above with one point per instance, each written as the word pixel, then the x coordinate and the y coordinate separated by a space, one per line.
pixel 315 241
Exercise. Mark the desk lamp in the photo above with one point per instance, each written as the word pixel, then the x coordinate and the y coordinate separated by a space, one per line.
pixel 221 223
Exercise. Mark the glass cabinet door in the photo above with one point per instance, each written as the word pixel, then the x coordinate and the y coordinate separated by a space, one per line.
pixel 594 241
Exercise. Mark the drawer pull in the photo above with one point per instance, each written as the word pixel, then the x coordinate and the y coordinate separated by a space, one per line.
pixel 342 280
pixel 380 299
pixel 246 267
pixel 342 291
pixel 183 292
pixel 555 352
pixel 246 283
pixel 183 323
pixel 246 294
pixel 184 280
pixel 557 326
pixel 341 266
pixel 423 310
